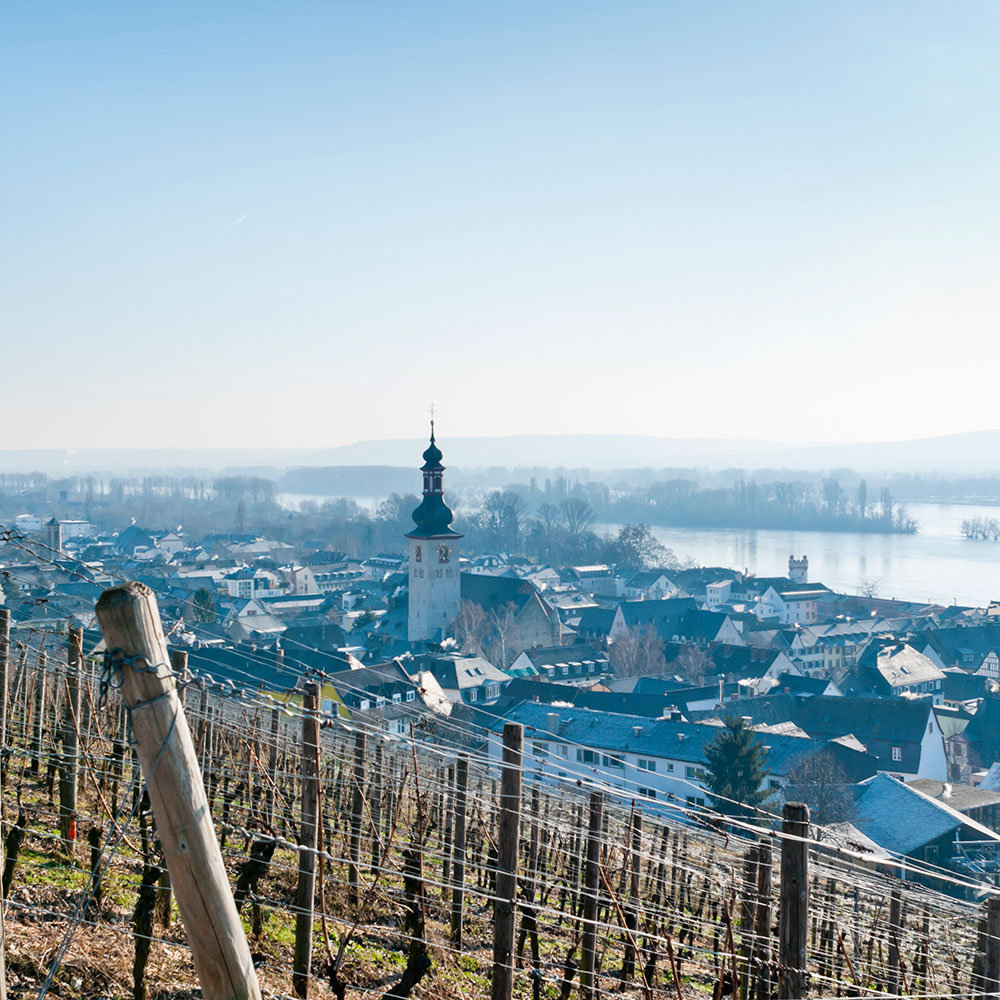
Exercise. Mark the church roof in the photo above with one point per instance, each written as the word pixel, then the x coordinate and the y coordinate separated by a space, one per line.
pixel 432 519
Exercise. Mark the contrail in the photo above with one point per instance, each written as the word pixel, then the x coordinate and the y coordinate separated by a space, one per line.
pixel 236 223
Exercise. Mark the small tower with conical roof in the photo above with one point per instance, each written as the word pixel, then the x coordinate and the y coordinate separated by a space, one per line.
pixel 53 539
pixel 435 584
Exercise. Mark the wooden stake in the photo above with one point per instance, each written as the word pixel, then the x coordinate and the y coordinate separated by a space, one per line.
pixel 588 957
pixel 508 838
pixel 458 857
pixel 130 622
pixel 70 750
pixel 793 920
pixel 305 893
pixel 357 814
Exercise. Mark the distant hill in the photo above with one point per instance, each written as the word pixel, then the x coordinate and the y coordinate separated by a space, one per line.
pixel 973 452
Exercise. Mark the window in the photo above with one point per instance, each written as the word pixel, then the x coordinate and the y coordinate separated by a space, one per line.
pixel 695 800
pixel 397 698
pixel 613 761
pixel 587 756
pixel 493 691
pixel 563 750
pixel 693 772
pixel 897 753
pixel 773 783
pixel 410 695
pixel 670 766
pixel 473 694
pixel 541 749
pixel 644 764
pixel 646 793
pixel 380 702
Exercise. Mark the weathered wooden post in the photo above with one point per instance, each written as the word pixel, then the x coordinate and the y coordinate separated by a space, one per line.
pixel 130 622
pixel 178 663
pixel 305 894
pixel 357 815
pixel 588 955
pixel 989 987
pixel 507 844
pixel 458 849
pixel 632 906
pixel 793 920
pixel 70 749
pixel 895 930
pixel 272 766
pixel 41 678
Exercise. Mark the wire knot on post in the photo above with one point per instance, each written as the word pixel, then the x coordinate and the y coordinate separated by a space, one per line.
pixel 111 674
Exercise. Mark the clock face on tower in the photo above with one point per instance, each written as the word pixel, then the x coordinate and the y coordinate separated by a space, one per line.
pixel 444 553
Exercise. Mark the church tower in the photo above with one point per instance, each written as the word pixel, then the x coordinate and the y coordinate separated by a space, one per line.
pixel 435 583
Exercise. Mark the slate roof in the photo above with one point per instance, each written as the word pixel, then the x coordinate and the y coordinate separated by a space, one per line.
pixel 658 737
pixel 879 723
pixel 557 656
pixel 461 672
pixel 902 819
pixel 983 732
pixel 962 798
pixel 899 664
pixel 493 593
pixel 622 703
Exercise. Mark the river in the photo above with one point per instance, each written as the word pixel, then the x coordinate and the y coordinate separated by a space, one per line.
pixel 936 564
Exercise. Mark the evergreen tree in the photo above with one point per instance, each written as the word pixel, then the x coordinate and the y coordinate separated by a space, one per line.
pixel 737 766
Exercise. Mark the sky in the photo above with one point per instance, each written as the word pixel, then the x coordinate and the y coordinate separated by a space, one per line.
pixel 300 224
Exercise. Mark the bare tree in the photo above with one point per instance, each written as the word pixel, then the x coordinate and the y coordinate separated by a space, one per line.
pixel 578 513
pixel 639 651
pixel 693 663
pixel 505 635
pixel 549 516
pixel 824 786
pixel 471 627
pixel 500 517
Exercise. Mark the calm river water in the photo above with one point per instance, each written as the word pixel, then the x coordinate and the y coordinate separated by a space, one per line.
pixel 936 564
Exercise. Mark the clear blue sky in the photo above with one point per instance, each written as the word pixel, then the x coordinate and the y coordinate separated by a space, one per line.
pixel 300 223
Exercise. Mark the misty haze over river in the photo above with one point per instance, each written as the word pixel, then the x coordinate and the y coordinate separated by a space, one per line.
pixel 937 563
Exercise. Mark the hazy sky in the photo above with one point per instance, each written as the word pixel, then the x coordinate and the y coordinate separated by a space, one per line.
pixel 298 224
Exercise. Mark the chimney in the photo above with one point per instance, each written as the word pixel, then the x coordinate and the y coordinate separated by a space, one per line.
pixel 747 720
pixel 637 730
pixel 552 722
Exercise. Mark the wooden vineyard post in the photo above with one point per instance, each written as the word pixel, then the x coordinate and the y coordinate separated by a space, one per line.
pixel 507 843
pixel 70 750
pixel 632 907
pixel 357 814
pixel 272 766
pixel 305 893
pixel 178 663
pixel 458 848
pixel 990 959
pixel 588 956
pixel 130 622
pixel 793 918
pixel 41 676
pixel 895 936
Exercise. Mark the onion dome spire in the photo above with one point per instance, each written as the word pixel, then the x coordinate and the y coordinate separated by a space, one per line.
pixel 433 517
